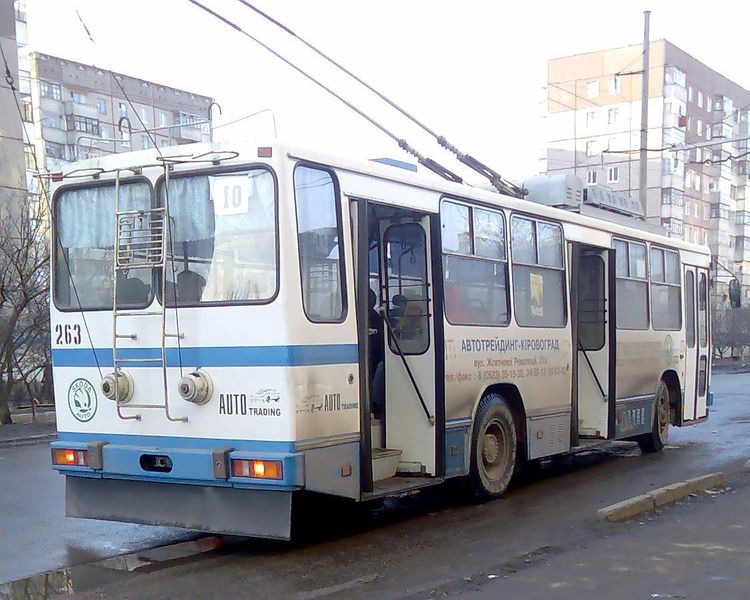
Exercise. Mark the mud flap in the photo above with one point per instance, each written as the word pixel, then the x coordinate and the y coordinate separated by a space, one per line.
pixel 254 513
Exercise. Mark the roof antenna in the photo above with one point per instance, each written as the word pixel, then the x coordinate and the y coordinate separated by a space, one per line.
pixel 498 182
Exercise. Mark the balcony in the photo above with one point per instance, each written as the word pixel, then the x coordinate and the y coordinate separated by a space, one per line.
pixel 673 180
pixel 81 110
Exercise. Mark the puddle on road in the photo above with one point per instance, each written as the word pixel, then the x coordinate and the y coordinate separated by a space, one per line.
pixel 80 578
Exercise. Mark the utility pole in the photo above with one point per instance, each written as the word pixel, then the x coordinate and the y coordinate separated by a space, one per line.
pixel 643 170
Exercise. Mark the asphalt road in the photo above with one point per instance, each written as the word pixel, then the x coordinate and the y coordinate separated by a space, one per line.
pixel 434 544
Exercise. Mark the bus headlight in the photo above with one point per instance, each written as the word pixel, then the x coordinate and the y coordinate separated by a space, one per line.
pixel 117 386
pixel 196 387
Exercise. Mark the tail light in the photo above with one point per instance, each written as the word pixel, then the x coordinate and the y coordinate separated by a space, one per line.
pixel 70 458
pixel 257 469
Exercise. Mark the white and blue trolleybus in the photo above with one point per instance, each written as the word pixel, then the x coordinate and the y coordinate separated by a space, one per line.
pixel 233 326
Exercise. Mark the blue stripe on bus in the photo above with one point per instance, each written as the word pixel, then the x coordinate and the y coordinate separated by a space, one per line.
pixel 214 356
pixel 164 441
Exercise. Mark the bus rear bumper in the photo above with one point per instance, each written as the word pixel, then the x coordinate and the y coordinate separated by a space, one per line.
pixel 235 511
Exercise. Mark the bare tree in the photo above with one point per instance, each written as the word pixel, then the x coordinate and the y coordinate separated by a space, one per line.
pixel 24 303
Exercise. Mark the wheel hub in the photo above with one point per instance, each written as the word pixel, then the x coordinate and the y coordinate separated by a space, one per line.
pixel 491 449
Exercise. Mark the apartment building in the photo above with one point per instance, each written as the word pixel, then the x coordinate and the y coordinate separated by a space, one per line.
pixel 12 178
pixel 78 111
pixel 698 193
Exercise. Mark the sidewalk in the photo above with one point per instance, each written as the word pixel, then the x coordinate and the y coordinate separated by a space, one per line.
pixel 27 433
pixel 696 549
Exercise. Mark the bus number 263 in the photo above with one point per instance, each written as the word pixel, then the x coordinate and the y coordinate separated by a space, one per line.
pixel 68 334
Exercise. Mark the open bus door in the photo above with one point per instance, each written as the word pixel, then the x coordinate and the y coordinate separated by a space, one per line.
pixel 403 410
pixel 694 406
pixel 592 292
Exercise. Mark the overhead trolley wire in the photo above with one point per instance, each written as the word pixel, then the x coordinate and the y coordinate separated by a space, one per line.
pixel 402 143
pixel 503 186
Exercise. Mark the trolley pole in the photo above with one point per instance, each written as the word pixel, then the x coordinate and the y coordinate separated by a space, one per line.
pixel 643 170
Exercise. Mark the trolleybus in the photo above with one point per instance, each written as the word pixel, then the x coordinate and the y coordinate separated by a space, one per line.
pixel 238 325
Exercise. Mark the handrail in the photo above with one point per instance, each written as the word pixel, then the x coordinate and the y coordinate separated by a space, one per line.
pixel 596 379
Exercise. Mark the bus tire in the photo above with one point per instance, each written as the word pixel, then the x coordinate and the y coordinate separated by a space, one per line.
pixel 657 438
pixel 494 448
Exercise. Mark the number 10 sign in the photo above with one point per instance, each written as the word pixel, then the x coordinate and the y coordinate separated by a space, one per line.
pixel 231 194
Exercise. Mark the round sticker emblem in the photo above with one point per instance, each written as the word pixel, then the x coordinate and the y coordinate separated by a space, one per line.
pixel 82 400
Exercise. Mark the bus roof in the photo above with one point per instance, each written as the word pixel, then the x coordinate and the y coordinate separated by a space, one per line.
pixel 246 151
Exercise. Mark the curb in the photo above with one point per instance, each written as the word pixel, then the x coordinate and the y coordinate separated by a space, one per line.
pixel 28 440
pixel 636 505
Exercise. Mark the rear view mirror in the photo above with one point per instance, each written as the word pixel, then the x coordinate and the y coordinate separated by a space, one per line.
pixel 734 293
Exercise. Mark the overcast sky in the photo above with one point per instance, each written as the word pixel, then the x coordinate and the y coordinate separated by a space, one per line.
pixel 472 70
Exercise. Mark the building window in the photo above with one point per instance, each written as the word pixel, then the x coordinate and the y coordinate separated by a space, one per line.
pixel 27 111
pixel 538 273
pixel 690 93
pixel 125 136
pixel 28 155
pixel 613 174
pixel 591 148
pixel 78 98
pixel 162 119
pixel 687 207
pixel 709 106
pixel 689 122
pixel 697 183
pixel 144 115
pixel 590 118
pixel 164 143
pixel 592 89
pixel 612 116
pixel 699 127
pixel 123 110
pixel 674 75
pixel 190 120
pixel 144 142
pixel 103 132
pixel 83 124
pixel 591 176
pixel 52 120
pixel 615 85
pixel 631 285
pixel 475 265
pixel 102 103
pixel 54 150
pixel 50 90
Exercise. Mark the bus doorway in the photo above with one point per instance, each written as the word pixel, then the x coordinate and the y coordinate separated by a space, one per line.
pixel 398 322
pixel 593 400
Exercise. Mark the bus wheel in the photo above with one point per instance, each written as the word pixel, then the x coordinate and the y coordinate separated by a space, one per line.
pixel 494 448
pixel 654 441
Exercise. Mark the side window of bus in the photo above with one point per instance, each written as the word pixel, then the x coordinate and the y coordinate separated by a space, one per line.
pixel 538 273
pixel 320 248
pixel 406 288
pixel 475 265
pixel 631 285
pixel 666 310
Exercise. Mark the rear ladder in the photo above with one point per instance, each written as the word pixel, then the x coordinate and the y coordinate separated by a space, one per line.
pixel 141 243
